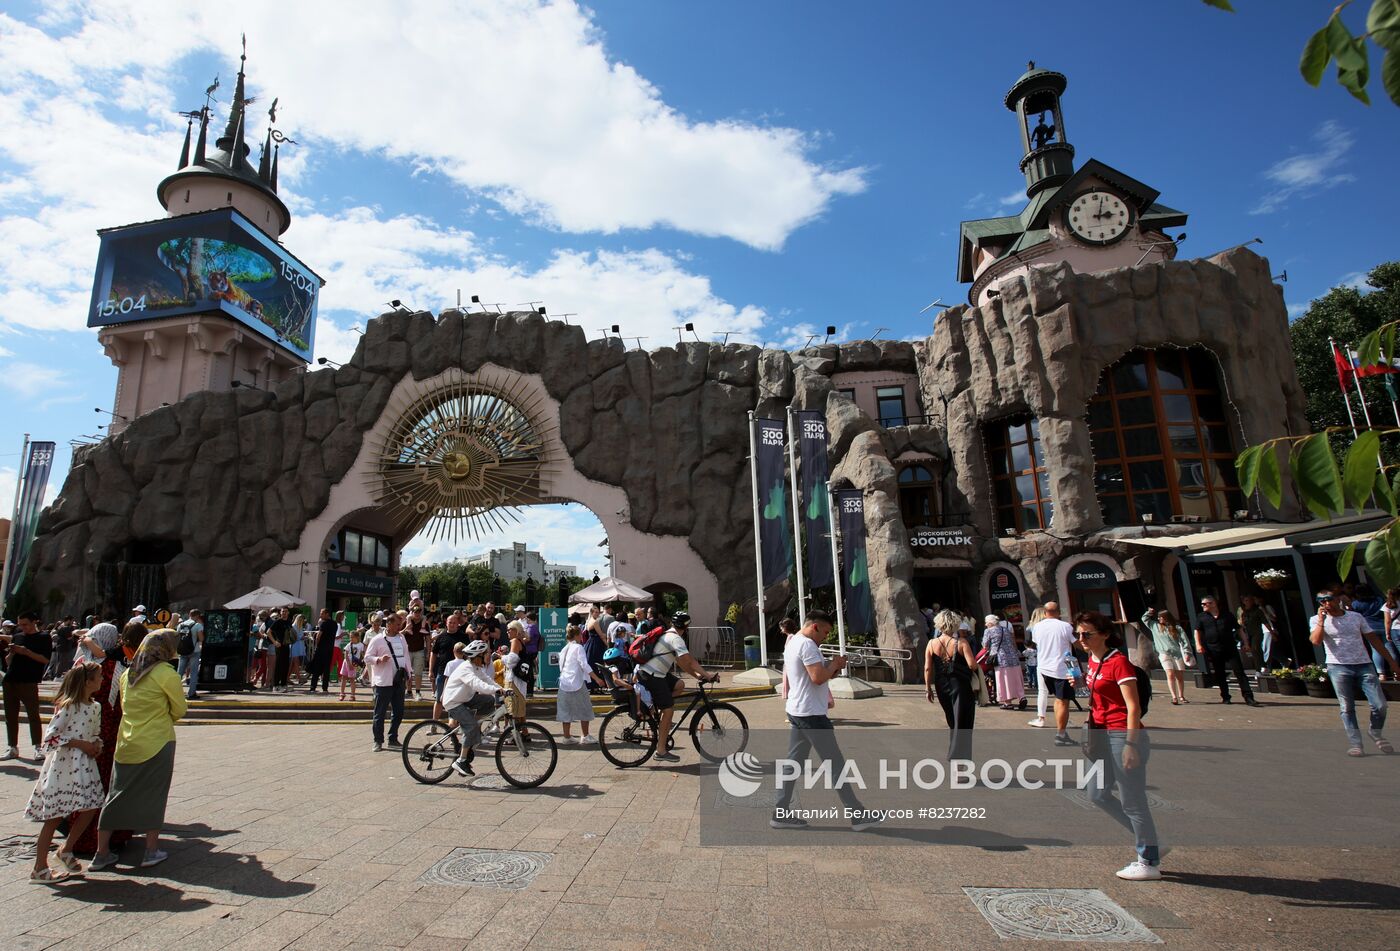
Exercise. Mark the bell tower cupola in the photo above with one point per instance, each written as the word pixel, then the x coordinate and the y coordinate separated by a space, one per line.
pixel 1047 157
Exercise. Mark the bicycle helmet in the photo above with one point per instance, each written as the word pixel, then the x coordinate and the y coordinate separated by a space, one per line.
pixel 476 648
pixel 681 619
pixel 612 653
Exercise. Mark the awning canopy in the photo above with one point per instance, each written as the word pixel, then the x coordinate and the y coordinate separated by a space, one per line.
pixel 1267 540
pixel 609 590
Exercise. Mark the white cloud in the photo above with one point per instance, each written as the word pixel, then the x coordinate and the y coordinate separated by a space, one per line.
pixel 1309 172
pixel 563 534
pixel 516 99
pixel 1297 310
pixel 1012 200
pixel 1356 280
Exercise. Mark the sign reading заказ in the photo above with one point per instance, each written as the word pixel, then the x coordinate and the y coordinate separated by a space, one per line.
pixel 931 542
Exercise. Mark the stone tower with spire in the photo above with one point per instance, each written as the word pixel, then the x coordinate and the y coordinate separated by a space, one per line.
pixel 177 318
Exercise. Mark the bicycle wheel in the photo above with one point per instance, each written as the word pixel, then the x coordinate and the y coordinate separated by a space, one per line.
pixel 719 730
pixel 625 740
pixel 526 755
pixel 429 750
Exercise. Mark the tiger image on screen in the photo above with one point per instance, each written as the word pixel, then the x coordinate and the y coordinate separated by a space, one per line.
pixel 221 288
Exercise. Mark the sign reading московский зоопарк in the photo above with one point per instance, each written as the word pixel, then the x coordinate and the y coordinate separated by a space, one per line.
pixel 929 541
pixel 359 584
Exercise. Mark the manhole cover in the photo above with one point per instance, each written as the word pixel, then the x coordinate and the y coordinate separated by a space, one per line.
pixel 1058 914
pixel 490 868
pixel 489 781
pixel 1156 803
pixel 17 848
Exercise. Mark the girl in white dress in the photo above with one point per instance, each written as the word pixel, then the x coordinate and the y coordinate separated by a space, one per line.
pixel 69 783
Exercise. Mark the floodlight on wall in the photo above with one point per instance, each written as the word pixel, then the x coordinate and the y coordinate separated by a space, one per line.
pixel 532 304
pixel 541 310
pixel 398 305
pixel 617 329
pixel 878 331
pixel 830 332
pixel 1282 278
pixel 1159 244
pixel 325 360
pixel 993 293
pixel 98 409
pixel 937 302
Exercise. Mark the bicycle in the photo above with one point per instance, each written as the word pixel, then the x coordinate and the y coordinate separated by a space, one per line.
pixel 628 734
pixel 525 754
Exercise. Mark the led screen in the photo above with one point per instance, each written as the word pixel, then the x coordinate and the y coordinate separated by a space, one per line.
pixel 216 260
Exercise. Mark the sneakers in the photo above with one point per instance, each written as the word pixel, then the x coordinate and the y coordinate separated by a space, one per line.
pixel 155 858
pixel 1140 871
pixel 10 753
pixel 869 822
pixel 1251 702
pixel 101 861
pixel 586 739
pixel 789 823
pixel 667 757
pixel 462 769
pixel 379 747
pixel 36 757
pixel 1037 722
pixel 393 743
pixel 1063 739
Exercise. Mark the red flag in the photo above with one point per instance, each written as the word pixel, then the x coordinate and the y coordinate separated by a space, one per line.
pixel 1344 368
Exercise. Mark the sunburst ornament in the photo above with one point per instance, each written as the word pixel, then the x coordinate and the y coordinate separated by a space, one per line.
pixel 462 456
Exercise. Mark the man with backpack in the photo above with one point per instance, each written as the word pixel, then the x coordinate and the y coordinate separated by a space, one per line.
pixel 659 653
pixel 191 631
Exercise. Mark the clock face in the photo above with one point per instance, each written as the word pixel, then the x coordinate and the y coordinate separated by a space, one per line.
pixel 1098 217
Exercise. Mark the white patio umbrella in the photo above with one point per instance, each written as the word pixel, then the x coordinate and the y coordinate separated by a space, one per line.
pixel 610 589
pixel 264 598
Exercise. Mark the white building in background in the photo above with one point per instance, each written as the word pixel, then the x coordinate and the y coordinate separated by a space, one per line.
pixel 517 562
pixel 553 573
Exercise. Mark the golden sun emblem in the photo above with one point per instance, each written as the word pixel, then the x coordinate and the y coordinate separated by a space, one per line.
pixel 461 455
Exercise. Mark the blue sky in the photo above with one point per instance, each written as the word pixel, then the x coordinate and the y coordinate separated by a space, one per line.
pixel 766 168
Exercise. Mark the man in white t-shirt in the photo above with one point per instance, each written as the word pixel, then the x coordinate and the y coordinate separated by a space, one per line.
pixel 1053 637
pixel 1344 636
pixel 808 698
pixel 658 676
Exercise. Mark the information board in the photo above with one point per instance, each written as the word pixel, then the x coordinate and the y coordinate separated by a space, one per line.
pixel 223 663
pixel 553 622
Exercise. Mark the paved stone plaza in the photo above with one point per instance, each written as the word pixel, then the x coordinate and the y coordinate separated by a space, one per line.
pixel 300 837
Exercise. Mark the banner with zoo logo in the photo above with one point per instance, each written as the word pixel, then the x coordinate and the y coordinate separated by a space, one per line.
pixel 816 514
pixel 215 261
pixel 774 532
pixel 34 476
pixel 855 571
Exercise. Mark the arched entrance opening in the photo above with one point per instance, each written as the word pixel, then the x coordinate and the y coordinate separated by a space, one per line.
pixel 462 457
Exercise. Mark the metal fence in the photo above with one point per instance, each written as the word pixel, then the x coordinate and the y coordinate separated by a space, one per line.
pixel 716 645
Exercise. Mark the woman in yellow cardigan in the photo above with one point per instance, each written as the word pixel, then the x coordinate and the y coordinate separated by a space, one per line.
pixel 153 699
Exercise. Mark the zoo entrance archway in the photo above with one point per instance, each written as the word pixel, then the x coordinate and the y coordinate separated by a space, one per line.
pixel 451 454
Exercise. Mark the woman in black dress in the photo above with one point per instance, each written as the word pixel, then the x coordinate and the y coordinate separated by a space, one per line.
pixel 949 666
pixel 320 664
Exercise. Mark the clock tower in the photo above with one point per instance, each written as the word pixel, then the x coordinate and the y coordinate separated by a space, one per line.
pixel 1093 218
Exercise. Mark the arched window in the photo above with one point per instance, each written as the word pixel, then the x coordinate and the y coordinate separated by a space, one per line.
pixel 918 500
pixel 1020 482
pixel 1161 439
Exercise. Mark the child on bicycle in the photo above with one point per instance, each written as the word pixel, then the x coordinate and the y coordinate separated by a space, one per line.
pixel 470 692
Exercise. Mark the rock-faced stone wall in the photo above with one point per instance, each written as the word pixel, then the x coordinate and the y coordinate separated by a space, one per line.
pixel 233 477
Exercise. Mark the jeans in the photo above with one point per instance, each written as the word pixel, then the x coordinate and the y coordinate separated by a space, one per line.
pixel 1345 679
pixel 806 734
pixel 1378 659
pixel 27 695
pixel 385 699
pixel 1129 808
pixel 465 714
pixel 1218 664
pixel 190 665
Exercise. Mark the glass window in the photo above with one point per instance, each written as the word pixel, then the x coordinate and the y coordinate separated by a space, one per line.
pixel 1165 411
pixel 1020 484
pixel 352 546
pixel 367 546
pixel 890 402
pixel 916 496
pixel 382 561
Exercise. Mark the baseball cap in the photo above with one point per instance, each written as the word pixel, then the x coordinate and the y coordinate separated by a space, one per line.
pixel 520 609
pixel 139 609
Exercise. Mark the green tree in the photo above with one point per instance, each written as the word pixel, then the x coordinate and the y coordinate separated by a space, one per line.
pixel 1347 316
pixel 1335 43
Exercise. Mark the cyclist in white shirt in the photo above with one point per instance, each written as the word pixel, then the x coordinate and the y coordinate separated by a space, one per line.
pixel 470 691
pixel 657 675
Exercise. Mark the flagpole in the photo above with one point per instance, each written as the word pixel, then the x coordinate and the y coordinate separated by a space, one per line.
pixel 757 542
pixel 1356 378
pixel 796 516
pixel 14 516
pixel 1337 363
pixel 836 571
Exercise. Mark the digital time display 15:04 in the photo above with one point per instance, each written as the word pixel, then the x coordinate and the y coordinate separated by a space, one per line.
pixel 124 305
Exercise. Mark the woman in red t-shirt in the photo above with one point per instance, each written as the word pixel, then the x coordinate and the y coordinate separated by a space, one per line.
pixel 1117 739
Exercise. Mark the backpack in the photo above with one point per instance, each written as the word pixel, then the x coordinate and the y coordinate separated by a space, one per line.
pixel 643 649
pixel 187 644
